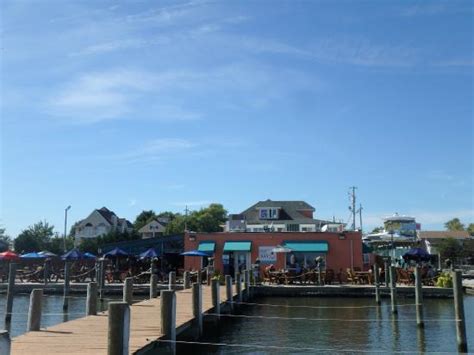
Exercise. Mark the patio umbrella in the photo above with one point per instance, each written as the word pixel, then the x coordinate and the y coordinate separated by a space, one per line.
pixel 195 253
pixel 73 254
pixel 281 249
pixel 88 255
pixel 116 252
pixel 150 253
pixel 9 255
pixel 32 255
pixel 47 254
pixel 417 254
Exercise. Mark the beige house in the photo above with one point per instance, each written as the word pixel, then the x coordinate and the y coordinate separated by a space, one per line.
pixel 100 222
pixel 153 228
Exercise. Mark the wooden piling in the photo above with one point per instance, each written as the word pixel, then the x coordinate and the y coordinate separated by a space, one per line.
pixel 168 318
pixel 172 280
pixel 128 290
pixel 238 286
pixel 102 278
pixel 228 289
pixel 91 301
pixel 386 265
pixel 247 284
pixel 119 328
pixel 10 291
pixel 459 311
pixel 34 312
pixel 67 270
pixel 418 297
pixel 197 308
pixel 186 280
pixel 153 286
pixel 46 270
pixel 320 280
pixel 377 284
pixel 393 290
pixel 216 303
pixel 5 342
pixel 199 277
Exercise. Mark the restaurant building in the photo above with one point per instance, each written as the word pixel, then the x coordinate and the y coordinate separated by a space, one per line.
pixel 240 250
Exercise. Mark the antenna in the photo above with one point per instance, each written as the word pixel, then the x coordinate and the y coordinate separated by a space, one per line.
pixel 360 216
pixel 352 208
pixel 186 219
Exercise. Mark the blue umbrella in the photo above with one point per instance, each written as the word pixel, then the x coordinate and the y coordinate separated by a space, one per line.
pixel 195 253
pixel 116 252
pixel 32 255
pixel 88 255
pixel 418 254
pixel 150 253
pixel 73 254
pixel 47 254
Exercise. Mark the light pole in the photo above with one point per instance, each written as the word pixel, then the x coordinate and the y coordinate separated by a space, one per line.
pixel 65 226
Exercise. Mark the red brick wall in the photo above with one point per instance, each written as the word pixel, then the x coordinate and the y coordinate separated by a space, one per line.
pixel 338 256
pixel 308 214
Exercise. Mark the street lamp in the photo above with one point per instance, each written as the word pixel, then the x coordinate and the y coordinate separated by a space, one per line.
pixel 65 226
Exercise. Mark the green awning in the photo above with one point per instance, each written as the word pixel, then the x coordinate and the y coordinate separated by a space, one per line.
pixel 237 246
pixel 207 246
pixel 318 247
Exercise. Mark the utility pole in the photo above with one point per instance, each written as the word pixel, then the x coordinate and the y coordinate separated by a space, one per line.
pixel 186 219
pixel 65 227
pixel 352 208
pixel 360 216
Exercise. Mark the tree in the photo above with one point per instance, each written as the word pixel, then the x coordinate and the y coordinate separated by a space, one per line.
pixel 377 230
pixel 4 240
pixel 450 248
pixel 143 218
pixel 207 219
pixel 470 229
pixel 454 225
pixel 35 238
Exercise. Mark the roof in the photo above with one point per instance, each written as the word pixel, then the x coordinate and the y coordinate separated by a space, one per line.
pixel 290 212
pixel 443 234
pixel 107 214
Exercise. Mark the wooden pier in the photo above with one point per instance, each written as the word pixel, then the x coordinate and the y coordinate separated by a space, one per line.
pixel 88 335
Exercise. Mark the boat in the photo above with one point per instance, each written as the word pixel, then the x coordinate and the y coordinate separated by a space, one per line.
pixel 396 229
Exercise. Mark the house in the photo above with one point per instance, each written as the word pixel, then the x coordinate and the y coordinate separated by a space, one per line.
pixel 278 216
pixel 100 222
pixel 432 238
pixel 154 228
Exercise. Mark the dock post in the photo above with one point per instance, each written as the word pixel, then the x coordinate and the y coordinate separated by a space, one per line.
pixel 67 270
pixel 168 318
pixel 34 312
pixel 10 291
pixel 5 342
pixel 172 281
pixel 387 271
pixel 393 290
pixel 216 302
pixel 119 328
pixel 153 286
pixel 377 284
pixel 197 307
pixel 128 290
pixel 320 280
pixel 238 286
pixel 91 302
pixel 247 284
pixel 46 268
pixel 418 297
pixel 199 277
pixel 459 311
pixel 228 289
pixel 102 278
pixel 186 280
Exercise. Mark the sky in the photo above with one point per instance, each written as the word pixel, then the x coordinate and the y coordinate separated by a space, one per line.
pixel 158 105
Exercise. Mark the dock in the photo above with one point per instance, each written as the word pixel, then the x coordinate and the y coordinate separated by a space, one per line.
pixel 88 335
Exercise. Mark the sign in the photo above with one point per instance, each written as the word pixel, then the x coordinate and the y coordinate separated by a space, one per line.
pixel 266 256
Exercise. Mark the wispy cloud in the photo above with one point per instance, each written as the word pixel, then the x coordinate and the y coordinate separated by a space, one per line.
pixel 132 202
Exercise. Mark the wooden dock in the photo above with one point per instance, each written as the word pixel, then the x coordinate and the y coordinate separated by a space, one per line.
pixel 88 335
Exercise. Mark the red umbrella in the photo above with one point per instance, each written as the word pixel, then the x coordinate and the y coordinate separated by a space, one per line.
pixel 9 255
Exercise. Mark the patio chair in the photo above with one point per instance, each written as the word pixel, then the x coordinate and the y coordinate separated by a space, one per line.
pixel 329 277
pixel 352 277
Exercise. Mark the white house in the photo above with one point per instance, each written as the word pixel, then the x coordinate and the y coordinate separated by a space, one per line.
pixel 99 222
pixel 153 228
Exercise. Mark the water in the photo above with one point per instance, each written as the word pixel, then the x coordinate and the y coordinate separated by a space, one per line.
pixel 374 330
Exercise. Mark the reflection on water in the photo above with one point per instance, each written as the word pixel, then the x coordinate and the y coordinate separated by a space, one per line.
pixel 338 330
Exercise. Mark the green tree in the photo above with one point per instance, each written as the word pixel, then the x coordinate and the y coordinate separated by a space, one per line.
pixel 377 230
pixel 4 240
pixel 143 218
pixel 450 248
pixel 454 225
pixel 207 219
pixel 470 229
pixel 35 238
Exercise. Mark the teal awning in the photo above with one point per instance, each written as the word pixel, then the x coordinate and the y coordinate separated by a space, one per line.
pixel 237 246
pixel 314 247
pixel 207 246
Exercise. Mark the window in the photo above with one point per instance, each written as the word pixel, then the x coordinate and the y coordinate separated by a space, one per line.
pixel 292 227
pixel 268 213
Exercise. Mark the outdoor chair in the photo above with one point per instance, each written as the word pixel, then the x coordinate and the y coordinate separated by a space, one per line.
pixel 352 277
pixel 329 277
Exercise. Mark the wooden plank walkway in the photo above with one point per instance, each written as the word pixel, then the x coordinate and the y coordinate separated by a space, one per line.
pixel 88 335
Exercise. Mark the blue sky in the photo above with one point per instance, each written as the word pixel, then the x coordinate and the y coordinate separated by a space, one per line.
pixel 157 104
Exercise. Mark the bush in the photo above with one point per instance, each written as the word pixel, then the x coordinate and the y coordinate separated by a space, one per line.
pixel 445 280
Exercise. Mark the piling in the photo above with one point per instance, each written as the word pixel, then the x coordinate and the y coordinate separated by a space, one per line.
pixel 459 312
pixel 197 308
pixel 34 312
pixel 238 286
pixel 102 278
pixel 128 290
pixel 5 342
pixel 418 297
pixel 216 302
pixel 387 272
pixel 393 290
pixel 199 277
pixel 247 284
pixel 228 289
pixel 186 280
pixel 168 318
pixel 67 271
pixel 10 291
pixel 320 280
pixel 153 286
pixel 377 284
pixel 119 328
pixel 91 301
pixel 46 269
pixel 172 280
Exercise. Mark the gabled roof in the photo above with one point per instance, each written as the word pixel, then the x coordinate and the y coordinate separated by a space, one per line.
pixel 107 214
pixel 290 211
pixel 443 234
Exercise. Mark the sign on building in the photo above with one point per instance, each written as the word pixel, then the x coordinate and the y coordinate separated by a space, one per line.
pixel 266 255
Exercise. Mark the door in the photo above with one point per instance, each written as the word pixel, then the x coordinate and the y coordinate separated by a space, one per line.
pixel 241 261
